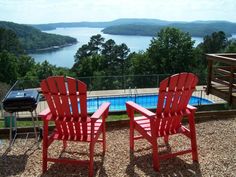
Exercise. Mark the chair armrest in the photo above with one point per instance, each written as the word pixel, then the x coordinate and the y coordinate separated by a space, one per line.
pixel 46 114
pixel 103 109
pixel 191 108
pixel 135 107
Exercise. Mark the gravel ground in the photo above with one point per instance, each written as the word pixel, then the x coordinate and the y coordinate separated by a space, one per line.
pixel 216 145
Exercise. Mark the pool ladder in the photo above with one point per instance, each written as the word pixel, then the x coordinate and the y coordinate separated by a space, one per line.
pixel 133 92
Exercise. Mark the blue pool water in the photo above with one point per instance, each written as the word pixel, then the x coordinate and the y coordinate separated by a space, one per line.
pixel 147 101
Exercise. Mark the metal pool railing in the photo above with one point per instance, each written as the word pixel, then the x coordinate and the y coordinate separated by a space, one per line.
pixel 146 100
pixel 118 100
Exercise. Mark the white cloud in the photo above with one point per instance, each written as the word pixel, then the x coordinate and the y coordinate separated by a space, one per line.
pixel 46 11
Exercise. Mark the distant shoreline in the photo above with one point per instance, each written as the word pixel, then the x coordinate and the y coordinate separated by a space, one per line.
pixel 52 48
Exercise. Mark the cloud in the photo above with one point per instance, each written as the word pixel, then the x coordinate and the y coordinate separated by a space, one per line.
pixel 46 11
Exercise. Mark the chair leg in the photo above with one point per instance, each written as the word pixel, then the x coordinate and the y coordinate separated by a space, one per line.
pixel 166 139
pixel 64 145
pixel 45 146
pixel 131 135
pixel 104 137
pixel 193 138
pixel 44 159
pixel 155 158
pixel 194 147
pixel 91 162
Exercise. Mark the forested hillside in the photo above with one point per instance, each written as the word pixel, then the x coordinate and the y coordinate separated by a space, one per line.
pixel 148 27
pixel 16 65
pixel 103 64
pixel 196 29
pixel 121 21
pixel 33 39
pixel 133 29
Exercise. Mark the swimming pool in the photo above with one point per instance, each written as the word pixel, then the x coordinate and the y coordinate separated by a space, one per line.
pixel 147 101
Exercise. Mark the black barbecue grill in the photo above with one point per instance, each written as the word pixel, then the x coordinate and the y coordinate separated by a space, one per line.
pixel 18 100
pixel 21 100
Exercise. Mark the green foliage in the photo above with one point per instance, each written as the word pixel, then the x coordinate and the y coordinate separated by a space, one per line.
pixel 33 39
pixel 133 29
pixel 9 42
pixel 231 47
pixel 139 64
pixel 216 42
pixel 8 69
pixel 24 67
pixel 44 70
pixel 15 65
pixel 93 47
pixel 25 64
pixel 171 52
pixel 4 88
pixel 111 65
pixel 100 56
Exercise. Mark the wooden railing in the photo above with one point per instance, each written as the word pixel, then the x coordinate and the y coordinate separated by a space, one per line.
pixel 222 73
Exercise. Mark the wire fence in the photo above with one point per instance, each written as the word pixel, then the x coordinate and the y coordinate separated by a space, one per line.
pixel 118 100
pixel 123 82
pixel 115 89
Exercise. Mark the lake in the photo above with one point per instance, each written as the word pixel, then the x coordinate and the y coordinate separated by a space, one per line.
pixel 65 56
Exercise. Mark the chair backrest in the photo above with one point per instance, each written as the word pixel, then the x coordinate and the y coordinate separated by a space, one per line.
pixel 66 98
pixel 175 93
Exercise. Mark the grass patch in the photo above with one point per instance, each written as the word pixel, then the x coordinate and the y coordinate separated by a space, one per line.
pixel 117 117
pixel 24 123
pixel 21 123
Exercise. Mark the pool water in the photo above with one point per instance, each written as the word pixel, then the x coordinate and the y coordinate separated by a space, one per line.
pixel 147 101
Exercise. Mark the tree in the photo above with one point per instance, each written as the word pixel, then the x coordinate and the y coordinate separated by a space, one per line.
pixel 100 55
pixel 115 56
pixel 10 42
pixel 8 69
pixel 231 47
pixel 171 51
pixel 95 43
pixel 93 47
pixel 139 64
pixel 214 43
pixel 25 64
pixel 44 70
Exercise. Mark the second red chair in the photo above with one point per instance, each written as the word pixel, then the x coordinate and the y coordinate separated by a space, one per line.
pixel 172 106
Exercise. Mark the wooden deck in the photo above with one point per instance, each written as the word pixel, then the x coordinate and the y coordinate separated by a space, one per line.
pixel 221 80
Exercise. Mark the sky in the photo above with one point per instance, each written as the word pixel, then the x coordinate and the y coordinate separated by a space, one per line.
pixel 51 11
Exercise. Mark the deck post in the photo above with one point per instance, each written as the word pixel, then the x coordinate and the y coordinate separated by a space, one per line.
pixel 231 85
pixel 209 77
pixel 223 76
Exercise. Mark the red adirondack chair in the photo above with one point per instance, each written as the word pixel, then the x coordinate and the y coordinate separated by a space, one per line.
pixel 67 101
pixel 172 106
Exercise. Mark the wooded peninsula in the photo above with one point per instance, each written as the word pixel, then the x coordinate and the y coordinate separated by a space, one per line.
pixel 33 39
